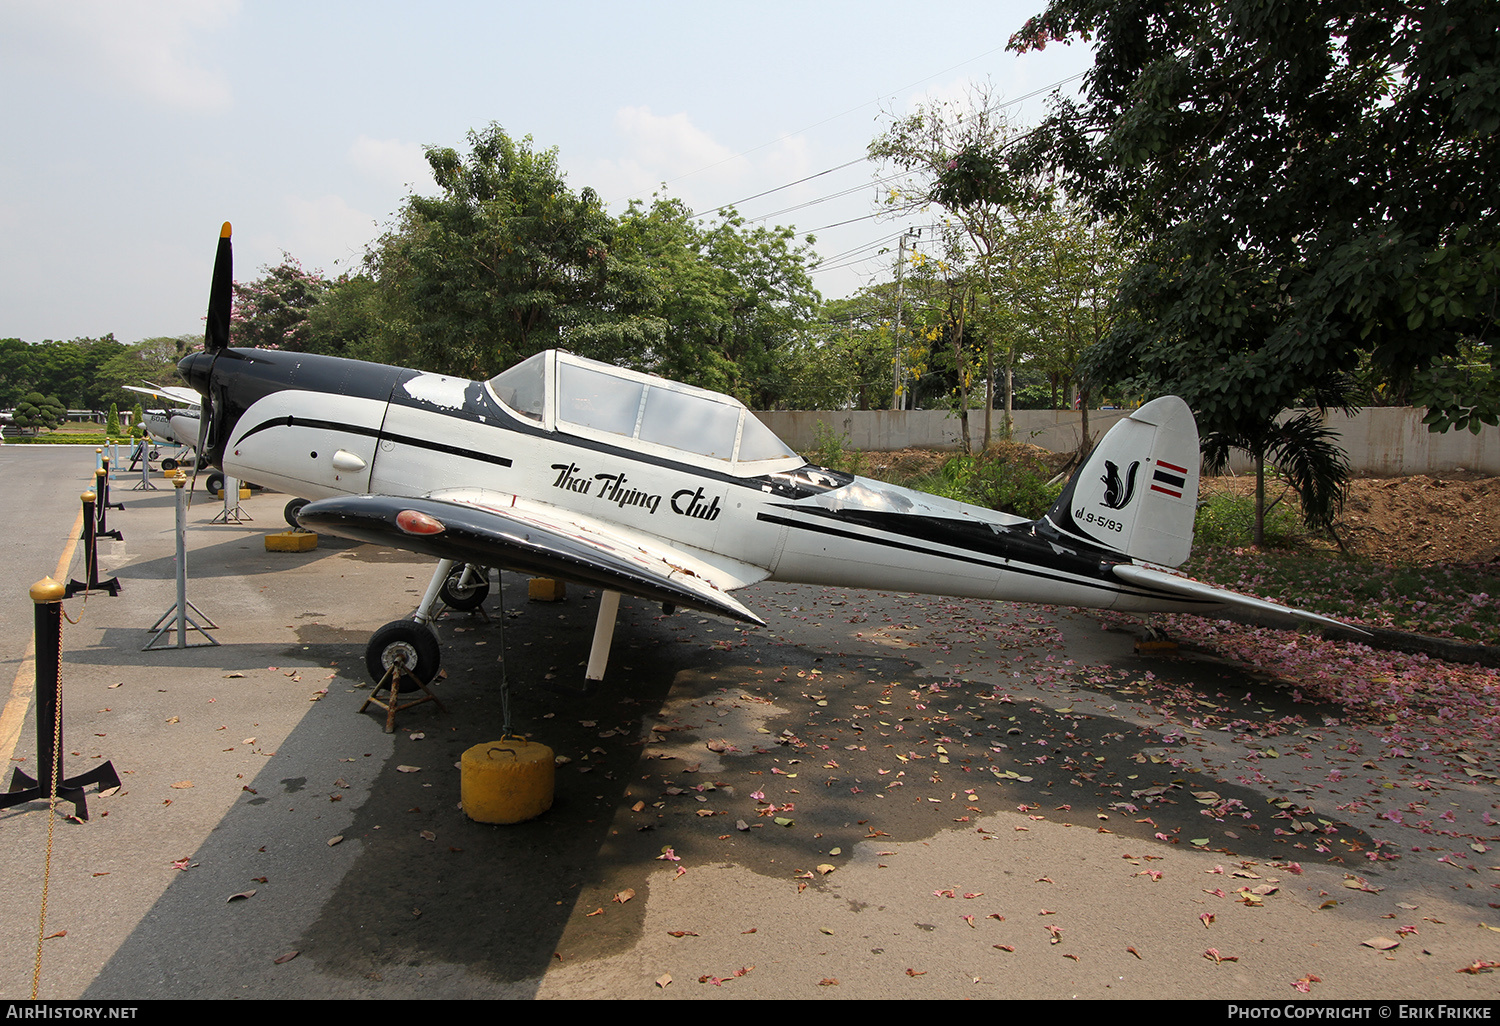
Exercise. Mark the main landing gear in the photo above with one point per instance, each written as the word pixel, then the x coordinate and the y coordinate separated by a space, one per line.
pixel 460 586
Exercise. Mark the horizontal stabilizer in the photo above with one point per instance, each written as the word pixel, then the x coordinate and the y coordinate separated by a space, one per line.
pixel 1160 579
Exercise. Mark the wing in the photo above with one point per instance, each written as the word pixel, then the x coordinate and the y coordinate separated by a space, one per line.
pixel 1160 579
pixel 184 396
pixel 491 529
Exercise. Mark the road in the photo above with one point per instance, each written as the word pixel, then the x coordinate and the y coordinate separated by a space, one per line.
pixel 875 796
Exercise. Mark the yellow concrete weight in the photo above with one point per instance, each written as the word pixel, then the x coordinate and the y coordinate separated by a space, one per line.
pixel 507 781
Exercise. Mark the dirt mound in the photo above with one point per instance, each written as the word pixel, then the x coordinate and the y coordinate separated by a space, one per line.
pixel 1424 519
pixel 1407 519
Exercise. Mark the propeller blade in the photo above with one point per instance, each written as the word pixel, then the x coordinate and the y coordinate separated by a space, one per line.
pixel 215 341
pixel 220 295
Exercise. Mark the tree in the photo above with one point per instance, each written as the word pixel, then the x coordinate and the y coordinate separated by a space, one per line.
pixel 924 145
pixel 1310 181
pixel 37 411
pixel 508 261
pixel 272 312
pixel 153 359
pixel 350 320
pixel 721 305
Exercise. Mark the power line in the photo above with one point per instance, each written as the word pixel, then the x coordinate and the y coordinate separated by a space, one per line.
pixel 1008 103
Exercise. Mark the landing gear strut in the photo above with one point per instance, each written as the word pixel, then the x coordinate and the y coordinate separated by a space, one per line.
pixel 465 588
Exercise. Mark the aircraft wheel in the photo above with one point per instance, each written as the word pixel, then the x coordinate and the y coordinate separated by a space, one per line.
pixel 413 642
pixel 214 483
pixel 292 509
pixel 155 455
pixel 464 597
pixel 202 462
pixel 169 464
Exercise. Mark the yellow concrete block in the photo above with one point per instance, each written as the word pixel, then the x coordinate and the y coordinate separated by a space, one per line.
pixel 507 781
pixel 544 589
pixel 244 493
pixel 1155 647
pixel 291 541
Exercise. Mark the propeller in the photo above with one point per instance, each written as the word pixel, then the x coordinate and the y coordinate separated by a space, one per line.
pixel 198 368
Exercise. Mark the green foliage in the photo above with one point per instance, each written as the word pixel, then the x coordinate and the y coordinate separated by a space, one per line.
pixel 1011 486
pixel 1303 450
pixel 272 311
pixel 152 359
pixel 36 411
pixel 506 262
pixel 720 305
pixel 1226 520
pixel 112 424
pixel 1442 600
pixel 832 451
pixel 71 371
pixel 1277 163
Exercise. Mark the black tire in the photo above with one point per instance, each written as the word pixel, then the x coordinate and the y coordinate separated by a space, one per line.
pixel 202 462
pixel 155 455
pixel 292 509
pixel 169 464
pixel 465 597
pixel 413 640
pixel 214 483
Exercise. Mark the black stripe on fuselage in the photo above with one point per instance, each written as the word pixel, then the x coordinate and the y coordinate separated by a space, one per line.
pixel 1010 551
pixel 355 429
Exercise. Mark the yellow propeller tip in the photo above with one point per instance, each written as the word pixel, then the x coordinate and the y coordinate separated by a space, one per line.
pixel 224 231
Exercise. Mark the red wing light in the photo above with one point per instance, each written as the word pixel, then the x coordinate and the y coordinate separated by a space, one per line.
pixel 413 522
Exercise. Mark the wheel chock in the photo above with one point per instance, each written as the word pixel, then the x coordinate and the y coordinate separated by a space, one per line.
pixel 544 589
pixel 291 541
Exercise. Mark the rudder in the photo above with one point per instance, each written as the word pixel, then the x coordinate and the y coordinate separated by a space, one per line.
pixel 1137 492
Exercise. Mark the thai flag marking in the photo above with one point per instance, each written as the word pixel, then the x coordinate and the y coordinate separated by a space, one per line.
pixel 1168 484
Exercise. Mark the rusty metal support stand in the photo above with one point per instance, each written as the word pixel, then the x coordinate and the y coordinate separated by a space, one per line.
pixel 50 781
pixel 91 556
pixel 391 705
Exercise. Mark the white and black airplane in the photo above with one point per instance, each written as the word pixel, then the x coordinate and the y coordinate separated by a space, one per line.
pixel 176 426
pixel 569 468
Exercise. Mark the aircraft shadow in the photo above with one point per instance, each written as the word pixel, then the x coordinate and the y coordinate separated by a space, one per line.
pixel 719 742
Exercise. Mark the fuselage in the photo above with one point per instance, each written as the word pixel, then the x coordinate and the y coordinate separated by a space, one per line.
pixel 319 427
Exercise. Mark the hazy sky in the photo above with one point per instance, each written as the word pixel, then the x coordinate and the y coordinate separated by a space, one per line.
pixel 131 129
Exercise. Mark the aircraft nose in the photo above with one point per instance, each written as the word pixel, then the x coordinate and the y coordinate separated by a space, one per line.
pixel 194 369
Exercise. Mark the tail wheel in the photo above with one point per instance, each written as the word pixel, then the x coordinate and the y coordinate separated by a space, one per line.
pixel 412 643
pixel 464 595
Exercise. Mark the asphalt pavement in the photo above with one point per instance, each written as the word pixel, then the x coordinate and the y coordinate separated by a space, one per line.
pixel 877 795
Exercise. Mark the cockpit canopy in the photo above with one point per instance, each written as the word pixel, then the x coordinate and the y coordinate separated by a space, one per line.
pixel 563 392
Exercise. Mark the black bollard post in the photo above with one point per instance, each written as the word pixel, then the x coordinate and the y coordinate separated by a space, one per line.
pixel 90 556
pixel 49 781
pixel 101 506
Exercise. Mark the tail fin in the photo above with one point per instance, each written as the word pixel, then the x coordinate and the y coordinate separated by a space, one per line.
pixel 1137 492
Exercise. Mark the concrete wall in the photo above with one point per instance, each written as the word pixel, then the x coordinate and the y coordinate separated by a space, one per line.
pixel 1385 441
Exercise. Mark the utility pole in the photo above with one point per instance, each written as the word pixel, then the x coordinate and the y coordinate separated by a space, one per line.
pixel 897 401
